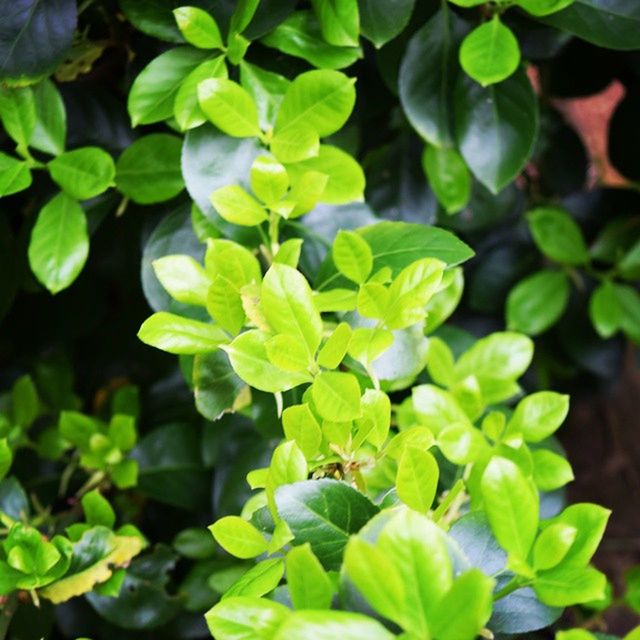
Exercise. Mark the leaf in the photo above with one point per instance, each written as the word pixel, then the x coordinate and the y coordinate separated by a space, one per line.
pixel 237 206
pixel 536 303
pixel 490 53
pixel 184 278
pixel 288 353
pixel 461 443
pixel 352 256
pixel 300 425
pixel 216 386
pixel 327 625
pixel 502 118
pixel 563 587
pixel 448 176
pixel 269 179
pixel 417 479
pixel 539 415
pixel 224 304
pixel 198 27
pixel 543 7
pixel 335 348
pixel 27 24
pixel 176 334
pixel 238 537
pixel 50 131
pixel 295 143
pixel 59 243
pixel 512 506
pixel 336 396
pixel 606 23
pixel 153 93
pixel 148 171
pixel 308 583
pixel 6 457
pixel 427 76
pixel 381 22
pixel 97 510
pixel 436 408
pixel 287 304
pixel 83 173
pixel 368 344
pixel 339 21
pixel 374 425
pixel 604 310
pixel 550 470
pixel 229 107
pixel 299 35
pixel 557 235
pixel 552 546
pixel 15 175
pixel 18 114
pixel 249 360
pixel 323 513
pixel 261 579
pixel 246 617
pixel 266 88
pixel 629 303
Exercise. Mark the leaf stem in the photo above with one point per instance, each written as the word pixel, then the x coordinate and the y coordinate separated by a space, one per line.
pixel 513 585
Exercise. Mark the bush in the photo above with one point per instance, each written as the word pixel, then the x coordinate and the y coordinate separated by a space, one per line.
pixel 356 412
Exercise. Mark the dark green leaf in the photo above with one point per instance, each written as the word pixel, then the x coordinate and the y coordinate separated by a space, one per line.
pixel 216 384
pixel 381 21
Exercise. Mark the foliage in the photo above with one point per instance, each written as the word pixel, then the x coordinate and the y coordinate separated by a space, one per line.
pixel 367 468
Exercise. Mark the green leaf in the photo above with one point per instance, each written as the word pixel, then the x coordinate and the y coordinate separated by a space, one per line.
pixel 511 503
pixel 543 7
pixel 629 303
pixel 295 143
pixel 18 114
pixel 230 107
pixel 502 116
pixel 299 424
pixel 83 173
pixel 550 470
pixel 436 408
pixel 224 304
pixel 198 27
pixel 339 21
pixel 287 304
pixel 194 543
pixel 352 256
pixel 288 353
pixel 461 443
pixel 440 363
pixel 299 35
pixel 289 252
pixel 258 581
pixel 238 537
pixel 269 179
pixel 369 343
pixel 149 171
pixel 153 93
pixel 183 278
pixel 604 310
pixel 308 583
pixel 490 53
pixel 97 510
pixel 336 396
pixel 539 415
pixel 186 108
pixel 465 609
pixel 59 243
pixel 216 386
pixel 249 360
pixel 552 546
pixel 427 76
pixel 321 99
pixel 557 235
pixel 246 617
pixel 50 132
pixel 327 625
pixel 375 423
pixel 381 22
pixel 237 206
pixel 612 24
pixel 565 586
pixel 25 404
pixel 288 465
pixel 15 175
pixel 232 261
pixel 537 302
pixel 335 348
pixel 448 176
pixel 323 513
pixel 6 458
pixel 175 334
pixel 267 89
pixel 417 479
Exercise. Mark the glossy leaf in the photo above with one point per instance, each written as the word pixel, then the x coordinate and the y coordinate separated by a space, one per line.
pixel 380 21
pixel 308 583
pixel 336 396
pixel 198 27
pixel 557 235
pixel 417 479
pixel 238 537
pixel 448 176
pixel 83 173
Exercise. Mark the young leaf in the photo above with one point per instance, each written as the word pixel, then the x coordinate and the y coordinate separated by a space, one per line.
pixel 565 586
pixel 289 253
pixel 552 545
pixel 288 353
pixel 266 88
pixel 373 300
pixel 238 537
pixel 83 173
pixel 15 175
pixel 295 143
pixel 512 507
pixel 230 107
pixel 309 585
pixel 550 470
pixel 335 348
pixel 604 310
pixel 50 132
pixel 436 408
pixel 539 415
pixel 261 579
pixel 448 176
pixel 179 335
pixel 543 7
pixel 198 27
pixel 490 53
pixel 299 424
pixel 461 443
pixel 374 425
pixel 369 343
pixel 417 479
pixel 339 21
pixel 269 179
pixel 336 396
pixel 18 114
pixel 224 304
pixel 244 616
pixel 183 278
pixel 97 510
pixel 352 256
pixel 59 243
pixel 237 206
pixel 557 235
pixel 327 625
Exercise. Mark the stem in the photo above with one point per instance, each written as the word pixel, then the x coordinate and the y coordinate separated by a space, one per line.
pixel 91 483
pixel 274 222
pixel 448 500
pixel 6 614
pixel 513 585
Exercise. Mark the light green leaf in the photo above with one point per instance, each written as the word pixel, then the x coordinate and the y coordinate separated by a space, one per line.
pixel 198 27
pixel 183 278
pixel 336 396
pixel 289 252
pixel 604 310
pixel 267 89
pixel 83 173
pixel 335 348
pixel 367 344
pixel 97 510
pixel 490 53
pixel 288 353
pixel 552 546
pixel 59 243
pixel 293 144
pixel 224 304
pixel 448 176
pixel 6 458
pixel 550 470
pixel 307 190
pixel 309 585
pixel 335 300
pixel 339 21
pixel 436 408
pixel 238 537
pixel 50 132
pixel 440 362
pixel 25 404
pixel 462 443
pixel 246 618
pixel 352 256
pixel 299 424
pixel 287 304
pixel 557 235
pixel 565 586
pixel 373 300
pixel 175 334
pixel 18 114
pixel 328 625
pixel 258 581
pixel 233 261
pixel 417 479
pixel 230 107
pixel 539 415
pixel 15 175
pixel 543 7
pixel 237 206
pixel 374 425
pixel 511 503
pixel 269 179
